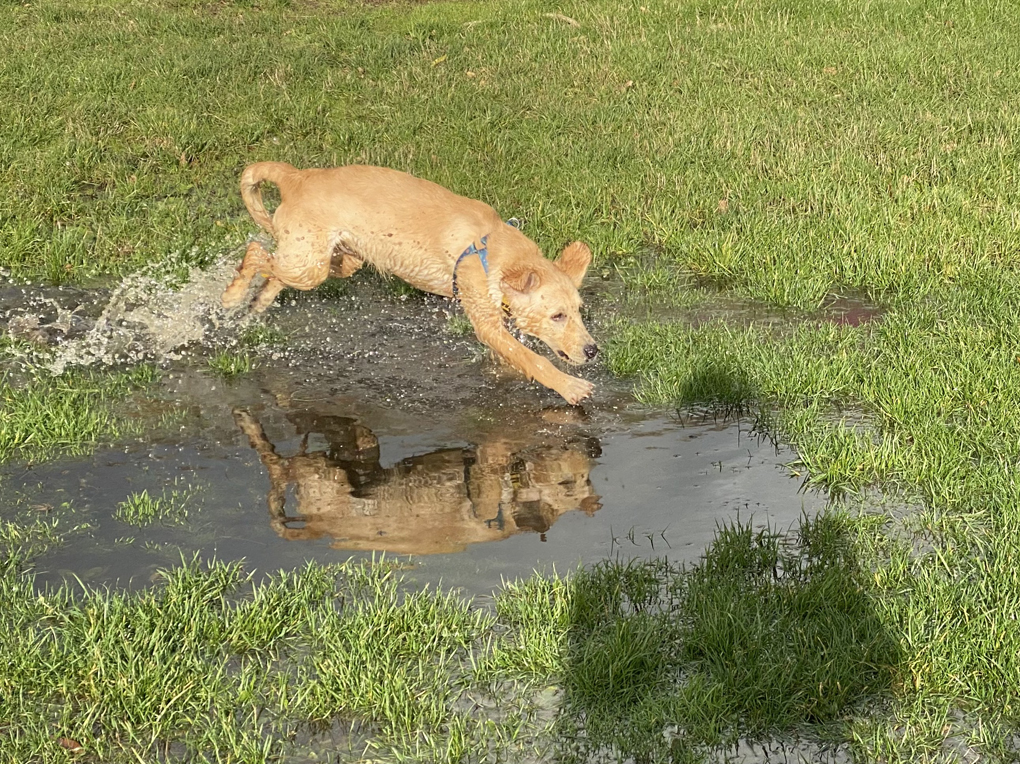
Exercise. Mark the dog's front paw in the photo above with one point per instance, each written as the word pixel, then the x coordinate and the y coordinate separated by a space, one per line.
pixel 574 390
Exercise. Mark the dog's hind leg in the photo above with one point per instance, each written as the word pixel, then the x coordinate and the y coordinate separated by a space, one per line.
pixel 256 259
pixel 345 261
pixel 344 266
pixel 300 262
pixel 267 294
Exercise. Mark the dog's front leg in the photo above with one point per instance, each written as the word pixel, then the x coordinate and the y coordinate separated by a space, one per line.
pixel 487 320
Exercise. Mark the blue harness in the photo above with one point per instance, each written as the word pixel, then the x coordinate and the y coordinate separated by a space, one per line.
pixel 483 255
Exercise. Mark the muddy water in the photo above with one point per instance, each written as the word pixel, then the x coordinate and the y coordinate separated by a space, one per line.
pixel 376 427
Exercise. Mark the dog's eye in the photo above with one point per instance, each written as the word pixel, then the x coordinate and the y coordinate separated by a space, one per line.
pixel 559 317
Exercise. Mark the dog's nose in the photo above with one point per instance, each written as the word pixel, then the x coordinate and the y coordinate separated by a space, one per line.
pixel 590 351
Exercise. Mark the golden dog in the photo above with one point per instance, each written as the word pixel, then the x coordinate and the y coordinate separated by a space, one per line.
pixel 331 221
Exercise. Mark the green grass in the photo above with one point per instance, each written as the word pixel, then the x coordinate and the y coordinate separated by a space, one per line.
pixel 44 415
pixel 922 405
pixel 169 507
pixel 459 325
pixel 767 637
pixel 775 151
pixel 229 364
pixel 263 335
pixel 209 665
pixel 209 662
pixel 782 150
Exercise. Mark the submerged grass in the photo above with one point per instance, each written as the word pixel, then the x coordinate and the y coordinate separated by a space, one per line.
pixel 263 335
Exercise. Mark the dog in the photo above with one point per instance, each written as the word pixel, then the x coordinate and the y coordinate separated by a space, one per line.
pixel 331 221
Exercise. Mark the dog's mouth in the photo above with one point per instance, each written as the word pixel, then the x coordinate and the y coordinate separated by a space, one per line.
pixel 569 359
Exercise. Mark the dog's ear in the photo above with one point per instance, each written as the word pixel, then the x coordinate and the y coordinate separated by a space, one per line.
pixel 520 280
pixel 574 261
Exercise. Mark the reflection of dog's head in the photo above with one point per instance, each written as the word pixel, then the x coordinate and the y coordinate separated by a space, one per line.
pixel 554 480
pixel 544 302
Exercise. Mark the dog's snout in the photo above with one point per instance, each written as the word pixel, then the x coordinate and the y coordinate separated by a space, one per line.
pixel 590 351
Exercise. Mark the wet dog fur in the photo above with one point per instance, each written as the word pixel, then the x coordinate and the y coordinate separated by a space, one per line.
pixel 332 221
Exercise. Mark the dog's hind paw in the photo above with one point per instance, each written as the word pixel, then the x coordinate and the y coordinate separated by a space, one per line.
pixel 232 298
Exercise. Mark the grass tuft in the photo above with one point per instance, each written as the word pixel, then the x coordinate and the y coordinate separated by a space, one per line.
pixel 767 637
pixel 229 365
pixel 263 335
pixel 141 509
pixel 71 413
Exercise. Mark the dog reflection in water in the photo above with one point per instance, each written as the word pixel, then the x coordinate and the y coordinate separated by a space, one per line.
pixel 436 503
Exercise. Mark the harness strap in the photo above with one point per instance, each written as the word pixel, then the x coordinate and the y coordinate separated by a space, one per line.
pixel 483 255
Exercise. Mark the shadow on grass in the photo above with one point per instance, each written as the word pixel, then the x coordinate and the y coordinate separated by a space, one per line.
pixel 768 637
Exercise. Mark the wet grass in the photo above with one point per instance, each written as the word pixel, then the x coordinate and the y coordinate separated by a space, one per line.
pixel 209 665
pixel 45 415
pixel 460 325
pixel 142 508
pixel 229 364
pixel 768 637
pixel 263 335
pixel 922 405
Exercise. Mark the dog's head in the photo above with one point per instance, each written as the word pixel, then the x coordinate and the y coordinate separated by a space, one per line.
pixel 544 302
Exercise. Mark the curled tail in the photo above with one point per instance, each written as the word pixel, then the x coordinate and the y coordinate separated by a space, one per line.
pixel 255 175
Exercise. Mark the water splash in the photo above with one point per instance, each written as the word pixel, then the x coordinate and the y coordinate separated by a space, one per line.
pixel 154 314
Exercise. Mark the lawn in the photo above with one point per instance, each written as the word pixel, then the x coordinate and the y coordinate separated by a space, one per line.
pixel 776 152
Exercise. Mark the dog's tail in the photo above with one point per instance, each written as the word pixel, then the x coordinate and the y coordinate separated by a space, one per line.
pixel 255 175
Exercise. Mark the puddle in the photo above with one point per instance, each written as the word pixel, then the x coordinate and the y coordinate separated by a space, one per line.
pixel 472 507
pixel 850 310
pixel 372 426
